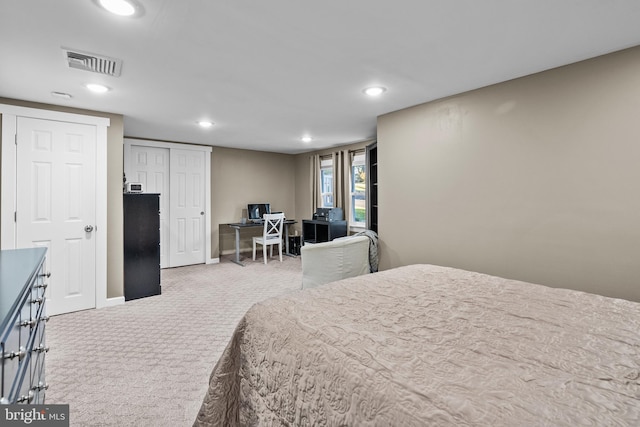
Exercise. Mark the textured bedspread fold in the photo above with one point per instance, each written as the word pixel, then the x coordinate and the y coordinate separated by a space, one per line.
pixel 426 345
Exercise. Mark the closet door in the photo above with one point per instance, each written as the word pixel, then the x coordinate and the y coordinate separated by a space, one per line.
pixel 150 166
pixel 180 173
pixel 187 189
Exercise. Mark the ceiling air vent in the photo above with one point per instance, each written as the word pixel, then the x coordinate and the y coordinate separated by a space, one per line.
pixel 92 62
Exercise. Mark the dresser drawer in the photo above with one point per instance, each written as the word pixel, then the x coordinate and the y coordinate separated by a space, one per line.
pixel 21 392
pixel 35 392
pixel 39 287
pixel 17 346
pixel 37 381
pixel 29 386
pixel 10 355
pixel 28 321
pixel 39 351
pixel 22 328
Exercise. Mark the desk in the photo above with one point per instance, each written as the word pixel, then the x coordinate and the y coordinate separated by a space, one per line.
pixel 238 225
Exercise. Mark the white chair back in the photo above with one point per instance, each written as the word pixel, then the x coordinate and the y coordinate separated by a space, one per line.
pixel 273 224
pixel 271 235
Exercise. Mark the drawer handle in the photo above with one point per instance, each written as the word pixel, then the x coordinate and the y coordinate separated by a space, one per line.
pixel 41 348
pixel 40 386
pixel 45 318
pixel 27 398
pixel 30 323
pixel 43 286
pixel 20 354
pixel 47 274
pixel 37 300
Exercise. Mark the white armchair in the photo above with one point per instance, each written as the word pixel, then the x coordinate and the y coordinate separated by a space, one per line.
pixel 330 261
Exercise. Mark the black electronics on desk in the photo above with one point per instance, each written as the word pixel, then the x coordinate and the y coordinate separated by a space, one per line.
pixel 256 211
pixel 329 214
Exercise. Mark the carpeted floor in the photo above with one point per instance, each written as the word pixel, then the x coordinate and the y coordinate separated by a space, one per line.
pixel 147 362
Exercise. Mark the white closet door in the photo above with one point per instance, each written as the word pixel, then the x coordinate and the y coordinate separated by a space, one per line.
pixel 150 166
pixel 56 206
pixel 187 228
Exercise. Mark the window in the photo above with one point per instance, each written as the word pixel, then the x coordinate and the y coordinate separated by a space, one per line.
pixel 354 185
pixel 326 182
pixel 358 190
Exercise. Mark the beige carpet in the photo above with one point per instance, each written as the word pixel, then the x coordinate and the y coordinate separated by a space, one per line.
pixel 147 362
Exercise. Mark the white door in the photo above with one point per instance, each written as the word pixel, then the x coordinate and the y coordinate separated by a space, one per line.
pixel 187 228
pixel 56 206
pixel 150 166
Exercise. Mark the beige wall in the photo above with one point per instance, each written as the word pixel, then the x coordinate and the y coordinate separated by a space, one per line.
pixel 536 179
pixel 114 188
pixel 239 177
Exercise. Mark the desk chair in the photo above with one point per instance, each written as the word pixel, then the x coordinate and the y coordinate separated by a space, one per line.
pixel 271 235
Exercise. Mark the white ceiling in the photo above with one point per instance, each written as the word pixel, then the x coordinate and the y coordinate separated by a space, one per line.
pixel 267 72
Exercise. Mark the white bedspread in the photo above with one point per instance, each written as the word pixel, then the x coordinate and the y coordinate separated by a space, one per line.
pixel 426 345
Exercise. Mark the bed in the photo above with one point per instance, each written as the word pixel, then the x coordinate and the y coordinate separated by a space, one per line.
pixel 428 345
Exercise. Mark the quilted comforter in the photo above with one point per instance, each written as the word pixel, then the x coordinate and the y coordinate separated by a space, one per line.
pixel 426 345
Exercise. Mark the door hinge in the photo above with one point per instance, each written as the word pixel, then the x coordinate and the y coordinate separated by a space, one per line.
pixel 15 216
pixel 15 139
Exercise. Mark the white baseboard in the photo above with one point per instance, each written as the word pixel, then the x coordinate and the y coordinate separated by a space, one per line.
pixel 213 261
pixel 114 301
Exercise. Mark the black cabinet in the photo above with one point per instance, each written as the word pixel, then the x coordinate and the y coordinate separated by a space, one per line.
pixel 372 187
pixel 141 245
pixel 294 245
pixel 317 231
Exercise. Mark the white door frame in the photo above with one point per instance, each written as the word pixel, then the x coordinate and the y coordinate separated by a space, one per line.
pixel 128 142
pixel 10 113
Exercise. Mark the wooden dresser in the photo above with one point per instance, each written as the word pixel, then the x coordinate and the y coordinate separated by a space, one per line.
pixel 23 281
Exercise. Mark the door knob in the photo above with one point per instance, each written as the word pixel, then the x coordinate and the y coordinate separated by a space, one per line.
pixel 88 228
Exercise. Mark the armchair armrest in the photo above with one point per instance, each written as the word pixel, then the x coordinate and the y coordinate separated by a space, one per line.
pixel 330 261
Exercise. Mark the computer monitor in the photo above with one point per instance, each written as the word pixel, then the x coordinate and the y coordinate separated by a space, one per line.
pixel 257 210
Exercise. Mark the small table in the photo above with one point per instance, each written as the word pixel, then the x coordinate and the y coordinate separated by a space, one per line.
pixel 238 225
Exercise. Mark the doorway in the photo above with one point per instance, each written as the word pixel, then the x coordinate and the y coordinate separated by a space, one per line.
pixel 54 196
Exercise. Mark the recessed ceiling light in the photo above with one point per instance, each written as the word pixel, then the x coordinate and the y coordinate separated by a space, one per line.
pixel 61 95
pixel 93 87
pixel 306 138
pixel 375 91
pixel 118 7
pixel 205 123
